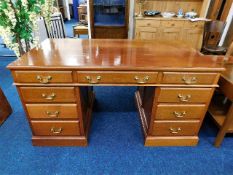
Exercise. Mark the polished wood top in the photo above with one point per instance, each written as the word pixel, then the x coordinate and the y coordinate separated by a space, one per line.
pixel 118 54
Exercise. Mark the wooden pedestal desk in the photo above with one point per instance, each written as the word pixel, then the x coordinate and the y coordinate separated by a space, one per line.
pixel 55 83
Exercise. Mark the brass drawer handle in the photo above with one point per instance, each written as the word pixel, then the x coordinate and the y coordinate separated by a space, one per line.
pixel 49 97
pixel 142 80
pixel 89 79
pixel 173 24
pixel 44 80
pixel 56 130
pixel 189 80
pixel 179 114
pixel 175 130
pixel 184 98
pixel 53 114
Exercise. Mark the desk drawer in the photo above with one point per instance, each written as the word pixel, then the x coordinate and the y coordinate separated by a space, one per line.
pixel 189 78
pixel 179 112
pixel 174 128
pixel 192 25
pixel 117 78
pixel 43 77
pixel 185 95
pixel 56 128
pixel 172 23
pixel 48 94
pixel 147 23
pixel 52 111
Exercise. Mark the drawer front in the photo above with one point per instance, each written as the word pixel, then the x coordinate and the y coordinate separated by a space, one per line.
pixel 172 23
pixel 56 128
pixel 179 112
pixel 43 77
pixel 191 25
pixel 189 78
pixel 174 128
pixel 114 78
pixel 48 94
pixel 185 95
pixel 147 23
pixel 147 29
pixel 52 111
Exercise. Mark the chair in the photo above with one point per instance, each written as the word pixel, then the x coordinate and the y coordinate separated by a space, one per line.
pixel 212 34
pixel 57 29
pixel 5 108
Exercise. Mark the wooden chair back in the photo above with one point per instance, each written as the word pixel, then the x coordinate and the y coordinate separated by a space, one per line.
pixel 212 33
pixel 57 28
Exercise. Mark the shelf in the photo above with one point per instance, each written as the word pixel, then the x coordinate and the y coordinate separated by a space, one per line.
pixel 218 111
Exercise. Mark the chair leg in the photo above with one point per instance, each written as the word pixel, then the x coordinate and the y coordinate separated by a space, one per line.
pixel 223 130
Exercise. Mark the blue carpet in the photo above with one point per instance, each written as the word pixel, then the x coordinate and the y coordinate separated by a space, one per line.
pixel 115 143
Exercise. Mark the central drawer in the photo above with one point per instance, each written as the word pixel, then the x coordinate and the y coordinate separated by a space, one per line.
pixel 117 78
pixel 48 94
pixel 52 111
pixel 185 95
pixel 175 128
pixel 56 128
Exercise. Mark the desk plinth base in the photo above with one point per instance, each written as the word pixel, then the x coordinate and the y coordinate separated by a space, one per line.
pixel 151 140
pixel 59 141
pixel 67 140
pixel 171 141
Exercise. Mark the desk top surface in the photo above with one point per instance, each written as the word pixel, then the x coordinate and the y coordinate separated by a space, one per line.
pixel 120 54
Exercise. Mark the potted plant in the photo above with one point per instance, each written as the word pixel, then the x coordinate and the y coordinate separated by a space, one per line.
pixel 18 22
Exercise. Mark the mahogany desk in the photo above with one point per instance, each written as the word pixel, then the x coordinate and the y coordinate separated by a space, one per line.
pixel 55 83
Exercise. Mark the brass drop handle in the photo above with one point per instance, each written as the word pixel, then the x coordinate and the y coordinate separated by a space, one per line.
pixel 53 114
pixel 184 98
pixel 189 80
pixel 175 130
pixel 91 81
pixel 44 80
pixel 142 80
pixel 179 114
pixel 173 24
pixel 56 130
pixel 49 97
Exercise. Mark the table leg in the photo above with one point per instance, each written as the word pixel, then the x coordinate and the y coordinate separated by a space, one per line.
pixel 223 130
